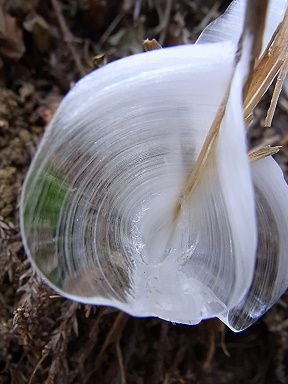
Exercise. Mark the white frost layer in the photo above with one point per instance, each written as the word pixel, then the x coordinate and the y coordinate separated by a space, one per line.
pixel 98 205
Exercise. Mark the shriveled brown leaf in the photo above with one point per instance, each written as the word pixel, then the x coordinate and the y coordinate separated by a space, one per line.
pixel 11 37
pixel 41 32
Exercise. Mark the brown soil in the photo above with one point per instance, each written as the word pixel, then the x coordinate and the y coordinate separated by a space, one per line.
pixel 44 47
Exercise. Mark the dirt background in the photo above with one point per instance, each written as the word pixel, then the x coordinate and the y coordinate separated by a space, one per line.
pixel 45 46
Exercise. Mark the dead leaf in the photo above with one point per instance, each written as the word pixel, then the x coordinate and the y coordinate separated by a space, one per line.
pixel 11 37
pixel 150 45
pixel 40 31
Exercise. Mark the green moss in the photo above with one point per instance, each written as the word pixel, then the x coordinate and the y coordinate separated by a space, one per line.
pixel 44 201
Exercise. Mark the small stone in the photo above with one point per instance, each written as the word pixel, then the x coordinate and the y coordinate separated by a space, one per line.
pixel 7 173
pixel 4 125
pixel 25 136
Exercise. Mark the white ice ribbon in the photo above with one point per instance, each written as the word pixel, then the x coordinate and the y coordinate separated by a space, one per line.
pixel 99 214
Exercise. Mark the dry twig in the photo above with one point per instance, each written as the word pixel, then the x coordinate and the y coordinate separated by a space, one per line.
pixel 68 37
pixel 121 364
pixel 110 29
pixel 276 93
pixel 262 152
pixel 112 337
pixel 256 30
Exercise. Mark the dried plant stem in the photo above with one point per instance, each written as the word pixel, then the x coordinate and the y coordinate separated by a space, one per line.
pixel 273 59
pixel 110 29
pixel 112 337
pixel 121 363
pixel 203 157
pixel 165 22
pixel 262 152
pixel 114 333
pixel 276 93
pixel 211 351
pixel 222 340
pixel 263 76
pixel 164 17
pixel 37 367
pixel 253 26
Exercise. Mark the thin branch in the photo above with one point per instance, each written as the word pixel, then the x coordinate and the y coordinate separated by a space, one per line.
pixel 121 364
pixel 262 152
pixel 116 328
pixel 209 16
pixel 250 28
pixel 37 367
pixel 276 93
pixel 110 29
pixel 113 335
pixel 222 340
pixel 137 9
pixel 206 366
pixel 68 37
pixel 164 17
pixel 254 26
pixel 165 21
pixel 203 157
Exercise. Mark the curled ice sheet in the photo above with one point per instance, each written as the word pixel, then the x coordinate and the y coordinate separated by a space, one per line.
pixel 99 201
pixel 98 209
pixel 270 277
pixel 228 27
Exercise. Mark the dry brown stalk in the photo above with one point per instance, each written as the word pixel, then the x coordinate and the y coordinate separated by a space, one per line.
pixel 253 26
pixel 277 90
pixel 114 333
pixel 37 367
pixel 164 9
pixel 266 69
pixel 113 336
pixel 203 157
pixel 121 363
pixel 262 152
pixel 110 28
pixel 206 365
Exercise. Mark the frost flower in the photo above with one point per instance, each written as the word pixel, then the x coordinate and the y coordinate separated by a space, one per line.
pixel 142 195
